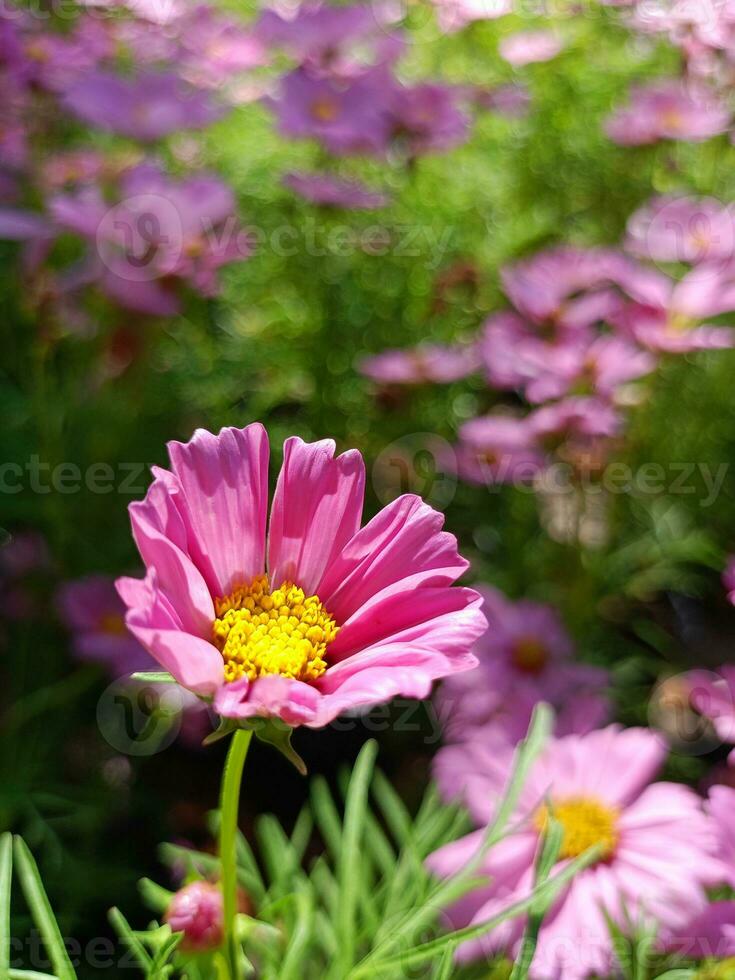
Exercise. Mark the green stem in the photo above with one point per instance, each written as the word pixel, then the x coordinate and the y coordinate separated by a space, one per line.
pixel 229 806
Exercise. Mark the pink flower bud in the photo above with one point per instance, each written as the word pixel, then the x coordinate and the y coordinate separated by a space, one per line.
pixel 196 910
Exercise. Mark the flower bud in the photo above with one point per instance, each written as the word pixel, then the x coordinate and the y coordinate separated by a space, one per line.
pixel 196 910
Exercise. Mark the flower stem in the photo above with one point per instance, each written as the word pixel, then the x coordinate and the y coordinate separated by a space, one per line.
pixel 229 806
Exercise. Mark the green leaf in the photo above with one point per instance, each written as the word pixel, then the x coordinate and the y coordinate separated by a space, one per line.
pixel 120 924
pixel 274 732
pixel 292 967
pixel 348 871
pixel 6 872
pixel 156 897
pixel 154 677
pixel 40 907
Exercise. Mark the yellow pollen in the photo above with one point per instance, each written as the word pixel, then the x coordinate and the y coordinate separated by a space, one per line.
pixel 324 109
pixel 284 632
pixel 680 322
pixel 585 822
pixel 113 623
pixel 672 119
pixel 529 655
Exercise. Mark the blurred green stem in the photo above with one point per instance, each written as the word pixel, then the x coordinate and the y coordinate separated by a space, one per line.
pixel 229 806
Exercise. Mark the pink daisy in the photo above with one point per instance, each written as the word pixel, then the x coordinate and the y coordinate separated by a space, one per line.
pixel 658 847
pixel 313 618
pixel 526 656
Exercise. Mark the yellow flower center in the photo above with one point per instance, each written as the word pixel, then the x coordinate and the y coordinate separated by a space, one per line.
pixel 529 655
pixel 324 109
pixel 284 632
pixel 585 822
pixel 724 970
pixel 680 322
pixel 113 623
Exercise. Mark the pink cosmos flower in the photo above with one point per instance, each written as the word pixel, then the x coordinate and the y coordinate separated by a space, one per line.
pixel 316 618
pixel 197 911
pixel 162 232
pixel 568 288
pixel 329 191
pixel 574 417
pixel 498 449
pixel 728 578
pixel 526 656
pixel 511 101
pixel 340 41
pixel 668 109
pixel 347 117
pixel 709 935
pixel 528 47
pixel 658 847
pixel 713 696
pixel 433 363
pixel 427 118
pixel 146 107
pixel 456 14
pixel 665 315
pixel 720 804
pixel 95 615
pixel 684 229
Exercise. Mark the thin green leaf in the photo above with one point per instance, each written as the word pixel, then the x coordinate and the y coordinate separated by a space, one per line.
pixel 155 896
pixel 326 816
pixel 548 855
pixel 444 970
pixel 292 967
pixel 437 947
pixel 40 907
pixel 350 861
pixel 154 677
pixel 120 924
pixel 30 975
pixel 6 873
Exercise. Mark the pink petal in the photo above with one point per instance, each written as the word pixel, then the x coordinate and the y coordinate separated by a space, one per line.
pixel 400 549
pixel 316 509
pixel 224 485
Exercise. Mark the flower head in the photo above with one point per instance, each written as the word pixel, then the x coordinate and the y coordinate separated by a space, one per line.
pixel 316 617
pixel 418 365
pixel 656 847
pixel 147 107
pixel 528 47
pixel 668 109
pixel 329 191
pixel 196 910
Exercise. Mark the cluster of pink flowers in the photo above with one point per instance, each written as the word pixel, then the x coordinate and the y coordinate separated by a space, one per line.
pixel 583 326
pixel 147 235
pixel 661 847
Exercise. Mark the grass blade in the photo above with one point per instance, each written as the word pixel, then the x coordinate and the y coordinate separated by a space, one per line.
pixel 40 907
pixel 350 861
pixel 121 926
pixel 6 873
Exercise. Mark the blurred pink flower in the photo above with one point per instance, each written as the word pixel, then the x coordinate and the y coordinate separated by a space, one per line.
pixel 197 911
pixel 329 191
pixel 348 118
pixel 147 106
pixel 94 613
pixel 728 578
pixel 420 365
pixel 498 449
pixel 427 118
pixel 666 315
pixel 658 847
pixel 161 233
pixel 456 14
pixel 528 47
pixel 721 801
pixel 341 41
pixel 574 417
pixel 709 935
pixel 351 616
pixel 668 109
pixel 526 656
pixel 685 229
pixel 713 696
